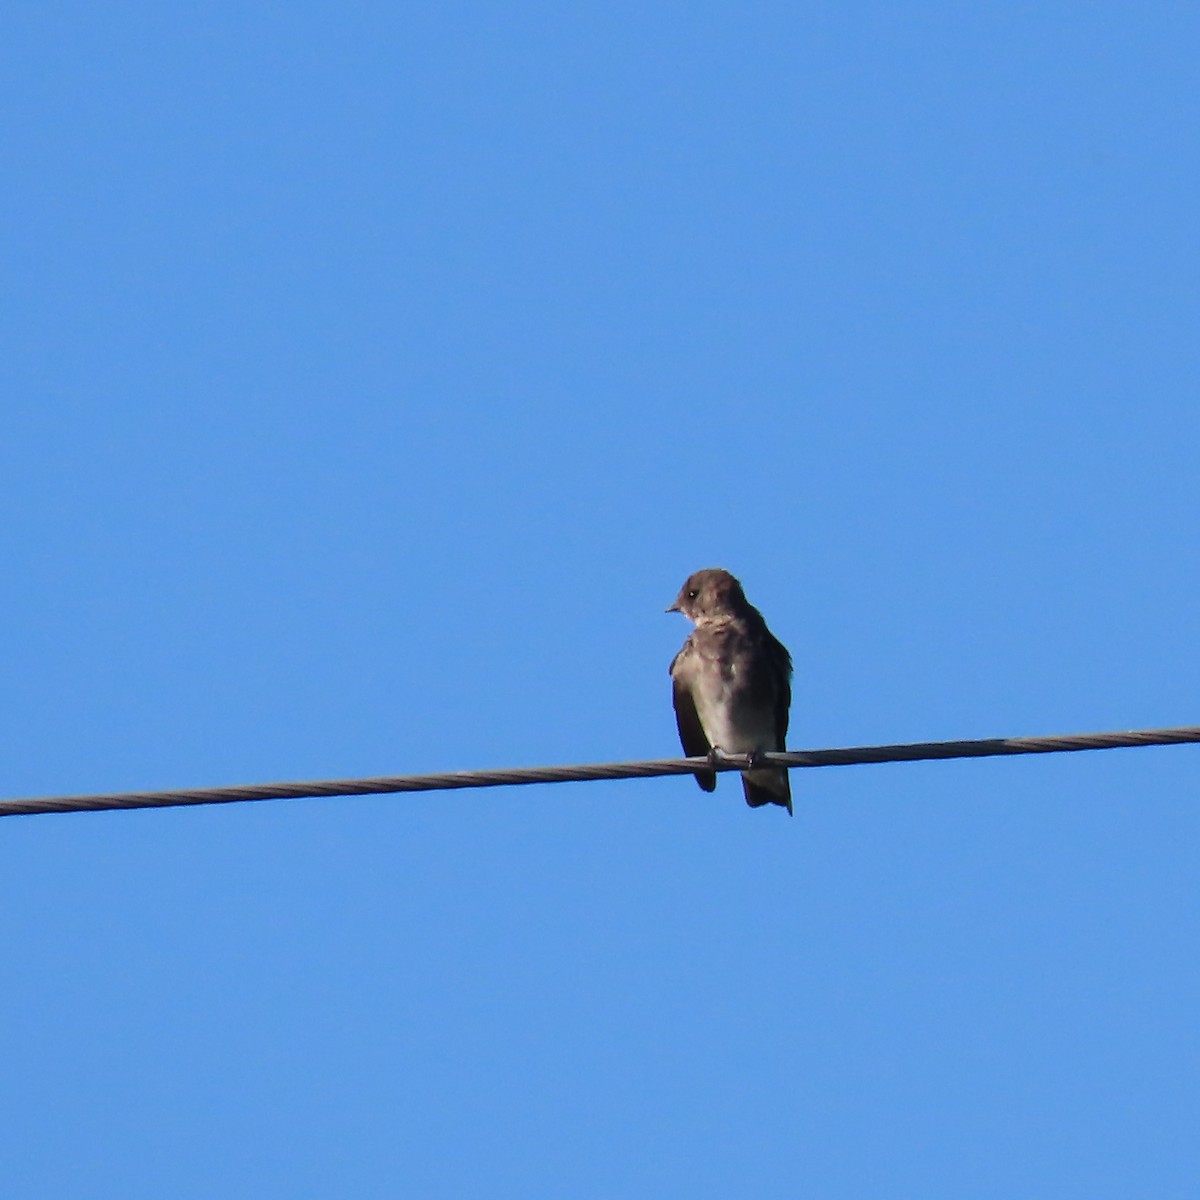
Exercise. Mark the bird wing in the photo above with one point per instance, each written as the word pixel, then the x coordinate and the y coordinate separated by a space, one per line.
pixel 774 676
pixel 781 668
pixel 691 733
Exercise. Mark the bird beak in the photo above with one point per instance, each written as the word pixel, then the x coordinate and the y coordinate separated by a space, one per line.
pixel 675 607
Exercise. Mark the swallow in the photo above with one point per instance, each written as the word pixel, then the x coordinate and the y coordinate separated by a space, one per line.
pixel 732 684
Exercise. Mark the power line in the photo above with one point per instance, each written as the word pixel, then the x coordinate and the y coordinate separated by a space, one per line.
pixel 911 752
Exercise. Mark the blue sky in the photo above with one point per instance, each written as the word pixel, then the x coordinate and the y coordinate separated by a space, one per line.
pixel 373 375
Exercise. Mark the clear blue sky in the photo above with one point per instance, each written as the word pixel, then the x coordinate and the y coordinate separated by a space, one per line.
pixel 373 375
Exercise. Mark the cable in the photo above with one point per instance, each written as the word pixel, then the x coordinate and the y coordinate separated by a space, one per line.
pixel 912 752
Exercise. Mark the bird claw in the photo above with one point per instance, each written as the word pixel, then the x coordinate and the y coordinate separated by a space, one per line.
pixel 717 756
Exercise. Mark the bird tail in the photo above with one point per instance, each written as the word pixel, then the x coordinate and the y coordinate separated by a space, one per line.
pixel 767 787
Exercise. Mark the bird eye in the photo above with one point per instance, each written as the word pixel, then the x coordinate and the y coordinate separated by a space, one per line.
pixel 693 594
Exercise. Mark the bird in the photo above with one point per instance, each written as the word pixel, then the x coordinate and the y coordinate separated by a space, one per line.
pixel 732 684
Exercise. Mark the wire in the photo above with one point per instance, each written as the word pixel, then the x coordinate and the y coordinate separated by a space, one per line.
pixel 911 752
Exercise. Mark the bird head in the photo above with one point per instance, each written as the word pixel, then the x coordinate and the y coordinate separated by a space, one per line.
pixel 709 593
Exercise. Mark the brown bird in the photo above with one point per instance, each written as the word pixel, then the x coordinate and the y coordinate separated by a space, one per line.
pixel 733 684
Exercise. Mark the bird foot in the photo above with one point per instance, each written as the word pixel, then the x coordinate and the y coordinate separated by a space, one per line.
pixel 717 756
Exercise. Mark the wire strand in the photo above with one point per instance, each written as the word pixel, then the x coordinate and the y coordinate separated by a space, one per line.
pixel 447 781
